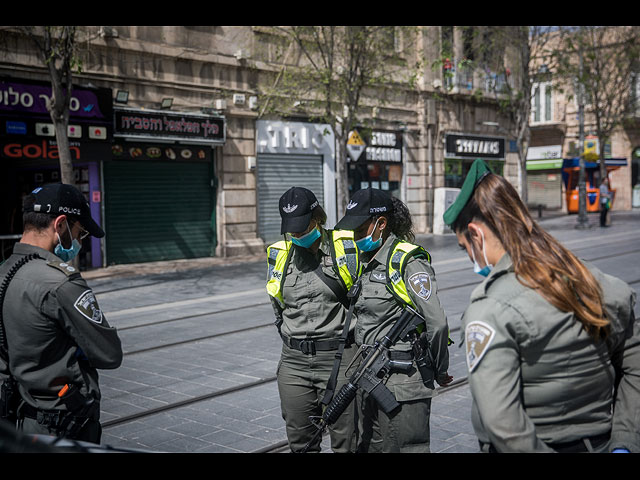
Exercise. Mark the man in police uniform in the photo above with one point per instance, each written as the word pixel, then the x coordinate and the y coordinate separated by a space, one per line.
pixel 56 335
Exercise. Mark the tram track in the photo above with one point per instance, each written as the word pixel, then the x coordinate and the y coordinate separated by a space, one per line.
pixel 270 323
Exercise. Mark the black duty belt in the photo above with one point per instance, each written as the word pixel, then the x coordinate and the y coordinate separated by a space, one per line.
pixel 580 445
pixel 43 416
pixel 575 446
pixel 309 346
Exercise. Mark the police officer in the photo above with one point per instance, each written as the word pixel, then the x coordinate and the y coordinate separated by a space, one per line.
pixel 56 335
pixel 395 273
pixel 308 277
pixel 552 345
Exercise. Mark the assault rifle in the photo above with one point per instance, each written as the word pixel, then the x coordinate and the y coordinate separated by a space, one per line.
pixel 375 365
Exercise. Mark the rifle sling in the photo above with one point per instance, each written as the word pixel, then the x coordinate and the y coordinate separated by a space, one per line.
pixel 331 383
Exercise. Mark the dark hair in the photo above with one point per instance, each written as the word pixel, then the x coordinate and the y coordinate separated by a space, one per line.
pixel 400 222
pixel 31 220
pixel 539 261
pixel 319 215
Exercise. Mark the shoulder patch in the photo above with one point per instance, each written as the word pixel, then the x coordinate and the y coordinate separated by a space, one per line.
pixel 87 305
pixel 478 337
pixel 378 277
pixel 421 284
pixel 64 267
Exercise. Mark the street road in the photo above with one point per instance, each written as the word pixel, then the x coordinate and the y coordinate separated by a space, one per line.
pixel 201 351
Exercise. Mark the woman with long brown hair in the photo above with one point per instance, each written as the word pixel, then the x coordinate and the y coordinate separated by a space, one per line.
pixel 552 344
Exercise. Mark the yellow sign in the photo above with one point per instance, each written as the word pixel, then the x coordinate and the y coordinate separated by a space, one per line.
pixel 355 139
pixel 591 144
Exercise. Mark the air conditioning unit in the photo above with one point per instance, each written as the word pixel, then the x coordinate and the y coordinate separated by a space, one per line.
pixel 238 99
pixel 221 104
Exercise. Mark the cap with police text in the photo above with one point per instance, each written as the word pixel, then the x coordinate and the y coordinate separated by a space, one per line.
pixel 478 171
pixel 64 199
pixel 296 207
pixel 364 204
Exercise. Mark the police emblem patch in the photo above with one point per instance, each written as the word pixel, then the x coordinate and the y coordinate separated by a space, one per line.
pixel 478 337
pixel 378 277
pixel 87 305
pixel 421 284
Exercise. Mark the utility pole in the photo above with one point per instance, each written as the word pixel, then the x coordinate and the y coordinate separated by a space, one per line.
pixel 583 221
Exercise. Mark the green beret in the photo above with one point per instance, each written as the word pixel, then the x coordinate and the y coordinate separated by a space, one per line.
pixel 479 170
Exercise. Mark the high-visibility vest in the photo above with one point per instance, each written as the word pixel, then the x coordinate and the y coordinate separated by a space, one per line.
pixel 346 262
pixel 399 254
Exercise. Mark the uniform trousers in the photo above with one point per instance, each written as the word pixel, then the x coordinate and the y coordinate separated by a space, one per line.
pixel 405 430
pixel 302 381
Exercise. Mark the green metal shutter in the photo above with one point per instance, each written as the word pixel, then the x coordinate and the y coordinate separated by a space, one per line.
pixel 158 211
pixel 278 173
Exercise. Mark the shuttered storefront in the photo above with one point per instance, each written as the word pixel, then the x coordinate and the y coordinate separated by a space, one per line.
pixel 545 188
pixel 158 210
pixel 278 173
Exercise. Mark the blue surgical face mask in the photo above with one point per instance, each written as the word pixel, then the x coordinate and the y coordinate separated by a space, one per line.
pixel 476 266
pixel 367 244
pixel 307 239
pixel 67 254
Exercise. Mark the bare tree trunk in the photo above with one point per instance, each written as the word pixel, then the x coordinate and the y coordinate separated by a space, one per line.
pixel 603 166
pixel 342 182
pixel 66 165
pixel 61 89
pixel 56 47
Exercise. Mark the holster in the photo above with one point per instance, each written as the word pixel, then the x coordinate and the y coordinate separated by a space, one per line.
pixel 65 423
pixel 9 400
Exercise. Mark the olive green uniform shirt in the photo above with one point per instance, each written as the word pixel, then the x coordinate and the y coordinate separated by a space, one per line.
pixel 377 310
pixel 55 330
pixel 311 310
pixel 536 377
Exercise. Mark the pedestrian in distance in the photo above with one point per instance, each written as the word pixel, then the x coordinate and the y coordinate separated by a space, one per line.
pixel 552 344
pixel 55 337
pixel 396 273
pixel 605 202
pixel 309 275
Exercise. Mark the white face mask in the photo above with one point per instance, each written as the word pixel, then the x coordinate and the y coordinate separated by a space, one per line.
pixel 476 266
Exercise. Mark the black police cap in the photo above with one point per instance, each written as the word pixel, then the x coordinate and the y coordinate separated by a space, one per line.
pixel 296 207
pixel 365 204
pixel 64 199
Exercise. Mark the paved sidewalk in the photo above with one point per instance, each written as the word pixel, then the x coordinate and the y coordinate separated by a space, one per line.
pixel 551 222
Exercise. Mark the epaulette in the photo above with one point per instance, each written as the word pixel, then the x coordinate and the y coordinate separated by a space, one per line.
pixel 64 267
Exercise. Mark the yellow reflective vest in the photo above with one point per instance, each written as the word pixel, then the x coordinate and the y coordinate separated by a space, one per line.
pixel 399 254
pixel 344 253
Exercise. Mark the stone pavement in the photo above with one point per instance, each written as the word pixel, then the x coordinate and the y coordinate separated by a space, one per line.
pixel 451 430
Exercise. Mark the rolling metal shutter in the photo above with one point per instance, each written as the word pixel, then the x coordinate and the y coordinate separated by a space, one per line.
pixel 276 174
pixel 545 189
pixel 158 211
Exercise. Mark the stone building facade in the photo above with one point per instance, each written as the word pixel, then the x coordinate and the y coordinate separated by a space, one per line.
pixel 219 188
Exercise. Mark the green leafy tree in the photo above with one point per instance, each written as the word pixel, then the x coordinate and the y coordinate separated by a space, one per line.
pixel 508 60
pixel 338 75
pixel 56 47
pixel 602 61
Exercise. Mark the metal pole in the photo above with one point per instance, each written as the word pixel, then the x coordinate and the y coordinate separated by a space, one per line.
pixel 583 221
